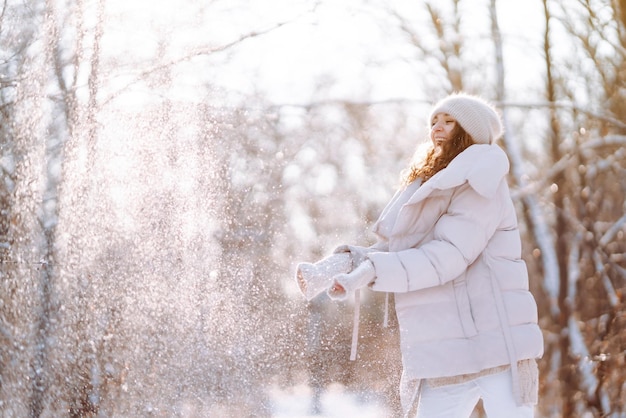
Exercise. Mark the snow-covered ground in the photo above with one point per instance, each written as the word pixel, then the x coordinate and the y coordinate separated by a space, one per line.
pixel 335 402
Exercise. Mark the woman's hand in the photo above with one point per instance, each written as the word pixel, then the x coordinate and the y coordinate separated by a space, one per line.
pixel 344 284
pixel 358 254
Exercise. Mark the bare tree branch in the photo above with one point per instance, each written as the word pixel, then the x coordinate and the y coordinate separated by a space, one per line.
pixel 581 351
pixel 608 286
pixel 605 141
pixel 566 105
pixel 194 54
pixel 610 234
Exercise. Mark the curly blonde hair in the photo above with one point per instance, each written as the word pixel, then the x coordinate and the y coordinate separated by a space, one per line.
pixel 438 158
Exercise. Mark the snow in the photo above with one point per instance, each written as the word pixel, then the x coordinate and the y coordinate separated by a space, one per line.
pixel 335 401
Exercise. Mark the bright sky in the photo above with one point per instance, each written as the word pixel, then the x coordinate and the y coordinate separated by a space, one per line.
pixel 349 42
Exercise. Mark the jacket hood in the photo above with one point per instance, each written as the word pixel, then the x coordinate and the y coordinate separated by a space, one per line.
pixel 483 166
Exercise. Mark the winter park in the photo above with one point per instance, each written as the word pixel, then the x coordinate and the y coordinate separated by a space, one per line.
pixel 168 167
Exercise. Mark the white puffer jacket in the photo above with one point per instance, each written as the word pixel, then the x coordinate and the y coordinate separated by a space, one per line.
pixel 450 249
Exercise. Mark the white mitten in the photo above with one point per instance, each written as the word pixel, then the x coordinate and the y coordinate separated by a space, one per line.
pixel 358 254
pixel 346 283
pixel 314 278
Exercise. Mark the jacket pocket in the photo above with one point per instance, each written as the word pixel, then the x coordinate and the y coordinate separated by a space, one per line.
pixel 464 308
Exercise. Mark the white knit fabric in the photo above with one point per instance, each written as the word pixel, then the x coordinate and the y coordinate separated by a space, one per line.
pixel 315 278
pixel 345 284
pixel 476 116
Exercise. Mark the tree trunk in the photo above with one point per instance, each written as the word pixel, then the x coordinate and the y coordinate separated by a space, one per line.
pixel 567 372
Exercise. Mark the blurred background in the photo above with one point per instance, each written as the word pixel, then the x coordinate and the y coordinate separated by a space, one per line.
pixel 166 164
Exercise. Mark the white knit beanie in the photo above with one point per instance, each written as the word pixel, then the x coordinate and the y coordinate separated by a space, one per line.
pixel 477 117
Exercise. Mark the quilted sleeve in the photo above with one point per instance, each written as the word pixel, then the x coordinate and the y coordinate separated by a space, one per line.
pixel 460 236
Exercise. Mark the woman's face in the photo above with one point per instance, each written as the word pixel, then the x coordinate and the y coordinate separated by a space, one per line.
pixel 441 128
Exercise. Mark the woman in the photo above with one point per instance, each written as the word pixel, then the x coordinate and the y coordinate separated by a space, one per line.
pixel 449 248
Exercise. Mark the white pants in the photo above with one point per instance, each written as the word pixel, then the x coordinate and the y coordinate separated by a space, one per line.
pixel 458 401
